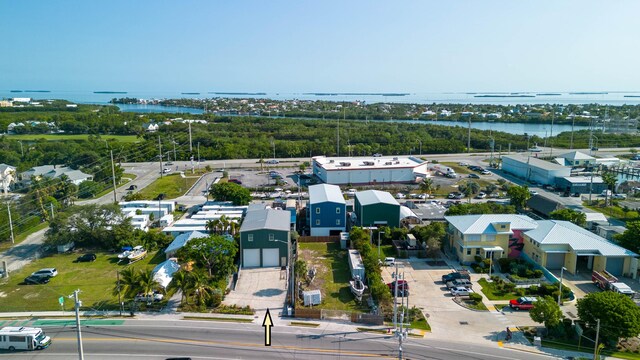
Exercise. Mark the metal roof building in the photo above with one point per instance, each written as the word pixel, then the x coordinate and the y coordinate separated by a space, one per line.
pixel 484 224
pixel 533 169
pixel 369 170
pixel 265 238
pixel 375 207
pixel 327 211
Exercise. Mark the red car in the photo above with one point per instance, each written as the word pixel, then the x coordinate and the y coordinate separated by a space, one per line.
pixel 401 283
pixel 523 303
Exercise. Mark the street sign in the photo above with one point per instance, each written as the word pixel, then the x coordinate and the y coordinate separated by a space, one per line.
pixel 61 300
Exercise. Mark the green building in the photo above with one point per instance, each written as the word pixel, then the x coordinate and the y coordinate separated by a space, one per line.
pixel 375 207
pixel 265 238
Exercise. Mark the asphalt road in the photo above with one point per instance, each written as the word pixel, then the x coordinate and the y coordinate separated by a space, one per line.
pixel 198 340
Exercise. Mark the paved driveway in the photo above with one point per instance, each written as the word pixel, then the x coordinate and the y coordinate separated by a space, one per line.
pixel 260 289
pixel 448 319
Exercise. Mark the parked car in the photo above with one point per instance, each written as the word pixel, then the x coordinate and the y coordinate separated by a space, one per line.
pixel 619 196
pixel 377 155
pixel 462 274
pixel 459 283
pixel 132 187
pixel 481 195
pixel 48 272
pixel 155 297
pixel 462 163
pixel 272 162
pixel 606 193
pixel 576 195
pixel 485 172
pixel 473 176
pixel 523 303
pixel 235 181
pixel 402 284
pixel 35 280
pixel 400 196
pixel 166 170
pixel 533 192
pixel 389 261
pixel 460 291
pixel 86 258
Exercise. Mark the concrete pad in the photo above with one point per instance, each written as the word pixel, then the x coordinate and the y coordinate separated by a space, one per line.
pixel 261 289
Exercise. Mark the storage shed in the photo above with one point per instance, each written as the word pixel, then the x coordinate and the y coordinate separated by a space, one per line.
pixel 356 265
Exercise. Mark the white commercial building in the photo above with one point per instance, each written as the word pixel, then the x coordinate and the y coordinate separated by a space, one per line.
pixel 369 170
pixel 533 169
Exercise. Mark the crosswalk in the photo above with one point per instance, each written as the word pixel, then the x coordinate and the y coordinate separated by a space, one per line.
pixel 502 318
pixel 18 323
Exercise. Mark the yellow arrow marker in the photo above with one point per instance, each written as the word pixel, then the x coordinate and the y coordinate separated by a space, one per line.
pixel 267 324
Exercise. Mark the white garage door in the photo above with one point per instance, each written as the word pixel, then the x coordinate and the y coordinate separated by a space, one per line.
pixel 251 257
pixel 270 257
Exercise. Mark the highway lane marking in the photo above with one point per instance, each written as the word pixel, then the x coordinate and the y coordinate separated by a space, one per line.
pixel 232 343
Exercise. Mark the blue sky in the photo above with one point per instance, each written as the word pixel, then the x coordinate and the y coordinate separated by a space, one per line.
pixel 298 46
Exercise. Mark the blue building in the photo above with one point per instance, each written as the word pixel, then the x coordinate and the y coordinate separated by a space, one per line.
pixel 326 213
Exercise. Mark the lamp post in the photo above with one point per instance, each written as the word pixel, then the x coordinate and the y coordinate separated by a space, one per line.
pixel 490 263
pixel 560 292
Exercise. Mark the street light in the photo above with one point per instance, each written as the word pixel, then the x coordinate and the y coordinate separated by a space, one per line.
pixel 379 231
pixel 561 276
pixel 290 267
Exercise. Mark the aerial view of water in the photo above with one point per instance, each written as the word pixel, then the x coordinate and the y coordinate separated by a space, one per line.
pixel 542 130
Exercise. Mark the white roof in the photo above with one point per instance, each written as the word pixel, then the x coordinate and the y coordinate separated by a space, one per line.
pixel 182 239
pixel 325 193
pixel 353 163
pixel 405 212
pixel 576 155
pixel 370 197
pixel 163 273
pixel 583 179
pixel 556 232
pixel 533 161
pixel 482 224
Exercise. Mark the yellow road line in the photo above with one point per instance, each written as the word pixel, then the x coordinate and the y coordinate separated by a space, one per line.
pixel 231 343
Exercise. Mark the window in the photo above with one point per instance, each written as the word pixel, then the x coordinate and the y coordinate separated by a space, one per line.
pixel 250 237
pixel 468 251
pixel 491 237
pixel 474 237
pixel 317 221
pixel 317 210
pixel 16 338
pixel 477 251
pixel 271 237
pixel 337 210
pixel 461 249
pixel 337 221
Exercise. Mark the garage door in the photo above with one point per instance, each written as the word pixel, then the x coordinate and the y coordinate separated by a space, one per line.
pixel 555 261
pixel 270 257
pixel 251 257
pixel 615 266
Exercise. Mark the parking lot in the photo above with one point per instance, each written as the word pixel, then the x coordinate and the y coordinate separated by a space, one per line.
pixel 447 318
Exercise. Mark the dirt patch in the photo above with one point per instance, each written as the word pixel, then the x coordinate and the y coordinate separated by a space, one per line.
pixel 3 294
pixel 315 261
pixel 31 296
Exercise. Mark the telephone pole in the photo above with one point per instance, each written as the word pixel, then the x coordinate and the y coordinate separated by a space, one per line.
pixel 113 176
pixel 78 303
pixel 13 240
pixel 595 348
pixel 190 142
pixel 175 158
pixel 469 136
pixel 160 154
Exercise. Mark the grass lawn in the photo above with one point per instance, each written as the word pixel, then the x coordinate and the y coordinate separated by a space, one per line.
pixel 23 235
pixel 489 290
pixel 60 137
pixel 95 280
pixel 586 346
pixel 333 275
pixel 613 211
pixel 500 306
pixel 172 186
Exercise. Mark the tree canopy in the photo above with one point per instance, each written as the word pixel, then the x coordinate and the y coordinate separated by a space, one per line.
pixel 547 311
pixel 215 253
pixel 619 315
pixel 577 217
pixel 480 208
pixel 630 239
pixel 519 196
pixel 228 191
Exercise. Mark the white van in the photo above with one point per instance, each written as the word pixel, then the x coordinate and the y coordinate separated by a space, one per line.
pixel 23 338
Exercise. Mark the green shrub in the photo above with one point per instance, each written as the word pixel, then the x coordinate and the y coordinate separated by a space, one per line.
pixel 477 298
pixel 533 290
pixel 520 291
pixel 537 273
pixel 477 259
pixel 504 264
pixel 486 263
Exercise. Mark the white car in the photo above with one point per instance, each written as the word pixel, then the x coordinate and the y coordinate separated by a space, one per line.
pixel 462 163
pixel 350 192
pixel 460 291
pixel 377 155
pixel 400 196
pixel 481 195
pixel 389 261
pixel 48 272
pixel 619 196
pixel 153 297
pixel 533 192
pixel 606 193
pixel 166 170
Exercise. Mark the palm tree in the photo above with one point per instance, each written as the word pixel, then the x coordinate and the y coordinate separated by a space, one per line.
pixel 211 225
pixel 146 282
pixel 610 179
pixel 426 185
pixel 470 188
pixel 224 223
pixel 129 283
pixel 199 286
pixel 181 282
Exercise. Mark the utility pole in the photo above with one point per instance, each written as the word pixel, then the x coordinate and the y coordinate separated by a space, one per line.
pixel 119 296
pixel 190 142
pixel 13 240
pixel 113 176
pixel 573 124
pixel 595 348
pixel 198 154
pixel 553 117
pixel 52 214
pixel 175 158
pixel 21 149
pixel 469 136
pixel 160 154
pixel 78 303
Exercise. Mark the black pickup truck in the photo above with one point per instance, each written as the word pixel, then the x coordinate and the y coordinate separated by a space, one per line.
pixel 462 274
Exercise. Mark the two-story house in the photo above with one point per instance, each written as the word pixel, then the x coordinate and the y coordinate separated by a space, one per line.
pixel 326 213
pixel 265 238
